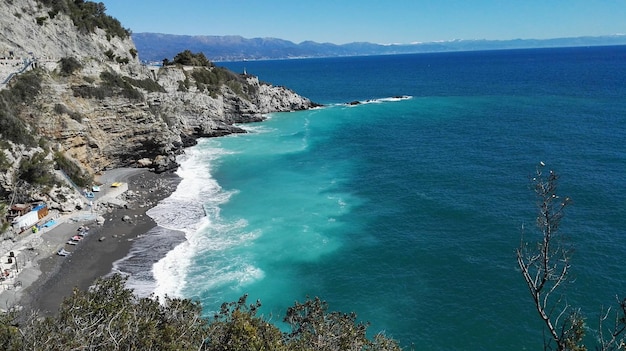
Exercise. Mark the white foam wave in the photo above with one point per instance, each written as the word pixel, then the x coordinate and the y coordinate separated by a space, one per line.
pixel 380 100
pixel 211 240
pixel 192 208
pixel 255 128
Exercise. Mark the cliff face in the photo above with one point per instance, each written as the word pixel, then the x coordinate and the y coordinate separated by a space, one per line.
pixel 151 126
pixel 100 108
pixel 29 26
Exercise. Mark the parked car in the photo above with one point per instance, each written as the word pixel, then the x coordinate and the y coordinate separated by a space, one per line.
pixel 63 252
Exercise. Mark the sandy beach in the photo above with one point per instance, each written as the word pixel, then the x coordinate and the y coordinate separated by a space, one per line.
pixel 45 278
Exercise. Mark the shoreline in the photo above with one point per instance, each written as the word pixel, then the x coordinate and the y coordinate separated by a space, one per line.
pixel 47 278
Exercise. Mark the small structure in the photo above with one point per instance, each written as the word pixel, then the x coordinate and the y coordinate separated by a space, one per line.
pixel 29 219
pixel 19 210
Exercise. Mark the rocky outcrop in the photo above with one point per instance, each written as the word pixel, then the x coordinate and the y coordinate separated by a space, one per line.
pixel 110 111
pixel 117 131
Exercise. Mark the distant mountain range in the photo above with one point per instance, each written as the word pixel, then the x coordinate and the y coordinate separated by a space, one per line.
pixel 156 47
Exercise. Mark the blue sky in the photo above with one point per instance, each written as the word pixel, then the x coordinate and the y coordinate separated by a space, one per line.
pixel 377 21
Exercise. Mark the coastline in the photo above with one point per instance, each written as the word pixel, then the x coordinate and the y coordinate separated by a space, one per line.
pixel 47 278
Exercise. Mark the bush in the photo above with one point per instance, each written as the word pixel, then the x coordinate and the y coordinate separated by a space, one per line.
pixel 4 163
pixel 72 170
pixel 122 60
pixel 22 90
pixel 26 87
pixel 69 65
pixel 110 316
pixel 61 109
pixel 187 58
pixel 146 84
pixel 36 170
pixel 110 54
pixel 112 85
pixel 120 86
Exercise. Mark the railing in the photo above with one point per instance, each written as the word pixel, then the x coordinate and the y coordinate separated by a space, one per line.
pixel 27 64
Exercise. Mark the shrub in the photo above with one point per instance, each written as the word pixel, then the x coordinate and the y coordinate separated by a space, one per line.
pixel 123 60
pixel 26 87
pixel 110 316
pixel 41 20
pixel 22 90
pixel 187 58
pixel 110 54
pixel 87 16
pixel 69 65
pixel 36 170
pixel 146 84
pixel 112 85
pixel 72 170
pixel 62 109
pixel 4 163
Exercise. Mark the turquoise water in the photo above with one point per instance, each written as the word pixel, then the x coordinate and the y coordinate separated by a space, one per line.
pixel 408 210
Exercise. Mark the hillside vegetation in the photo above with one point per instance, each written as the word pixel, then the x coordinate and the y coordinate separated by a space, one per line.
pixel 110 317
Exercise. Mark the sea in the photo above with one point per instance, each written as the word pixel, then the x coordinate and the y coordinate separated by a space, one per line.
pixel 406 207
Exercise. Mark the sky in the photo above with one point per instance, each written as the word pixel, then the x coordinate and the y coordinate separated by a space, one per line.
pixel 375 21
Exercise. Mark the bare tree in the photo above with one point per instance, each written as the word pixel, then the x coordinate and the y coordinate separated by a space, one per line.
pixel 612 338
pixel 546 267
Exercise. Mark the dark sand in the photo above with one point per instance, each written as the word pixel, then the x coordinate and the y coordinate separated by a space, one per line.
pixel 94 256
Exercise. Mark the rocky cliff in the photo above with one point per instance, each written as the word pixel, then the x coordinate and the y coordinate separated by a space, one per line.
pixel 87 100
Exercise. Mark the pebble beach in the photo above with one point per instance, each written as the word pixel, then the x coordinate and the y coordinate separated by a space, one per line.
pixel 41 279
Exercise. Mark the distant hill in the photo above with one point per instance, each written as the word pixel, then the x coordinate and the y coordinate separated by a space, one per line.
pixel 156 47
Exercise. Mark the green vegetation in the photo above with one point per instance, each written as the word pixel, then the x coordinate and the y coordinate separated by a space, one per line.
pixel 87 16
pixel 69 65
pixel 4 163
pixel 36 170
pixel 545 268
pixel 209 77
pixel 146 84
pixel 122 60
pixel 115 85
pixel 4 226
pixel 41 20
pixel 110 54
pixel 72 170
pixel 22 91
pixel 183 85
pixel 110 317
pixel 62 109
pixel 187 58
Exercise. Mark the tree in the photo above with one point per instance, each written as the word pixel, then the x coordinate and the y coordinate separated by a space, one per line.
pixel 188 58
pixel 314 328
pixel 109 316
pixel 236 327
pixel 545 270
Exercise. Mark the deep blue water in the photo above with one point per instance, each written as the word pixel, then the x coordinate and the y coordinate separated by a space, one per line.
pixel 408 211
